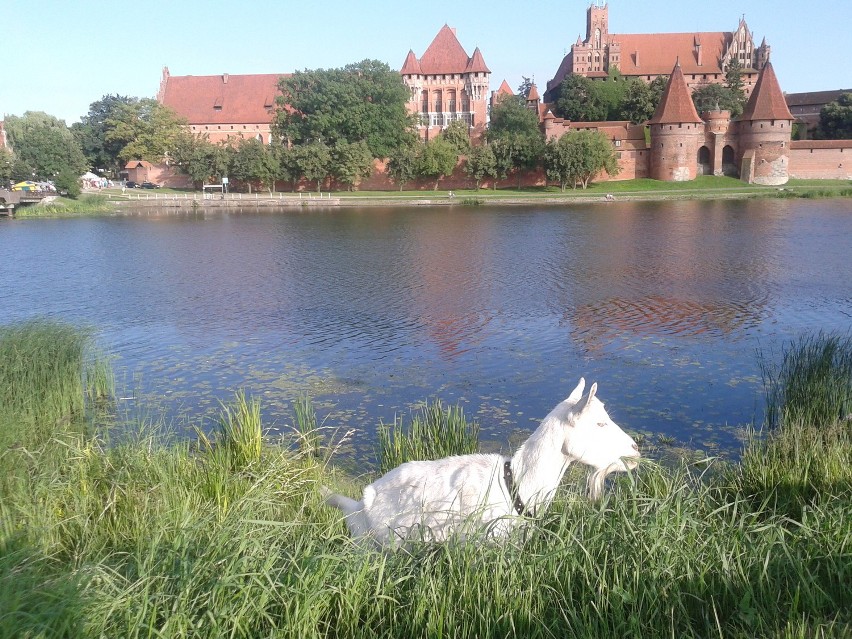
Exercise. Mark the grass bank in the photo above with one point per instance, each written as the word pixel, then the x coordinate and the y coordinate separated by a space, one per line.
pixel 226 535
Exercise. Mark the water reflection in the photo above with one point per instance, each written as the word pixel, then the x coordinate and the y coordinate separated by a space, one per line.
pixel 370 311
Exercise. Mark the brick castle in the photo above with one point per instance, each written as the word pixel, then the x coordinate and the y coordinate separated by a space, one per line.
pixel 446 84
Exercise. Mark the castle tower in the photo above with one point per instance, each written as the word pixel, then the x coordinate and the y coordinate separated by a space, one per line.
pixel 676 133
pixel 716 139
pixel 765 128
pixel 446 84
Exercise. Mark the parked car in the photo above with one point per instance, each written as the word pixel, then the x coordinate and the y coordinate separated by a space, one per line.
pixel 130 185
pixel 149 185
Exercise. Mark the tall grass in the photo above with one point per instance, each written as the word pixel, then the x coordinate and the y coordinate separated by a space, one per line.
pixel 141 539
pixel 812 383
pixel 434 432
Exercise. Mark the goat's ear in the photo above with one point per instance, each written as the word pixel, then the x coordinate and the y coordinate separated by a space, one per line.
pixel 583 404
pixel 577 393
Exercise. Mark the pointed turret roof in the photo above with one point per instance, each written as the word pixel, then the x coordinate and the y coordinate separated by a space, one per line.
pixel 411 66
pixel 534 93
pixel 505 89
pixel 767 101
pixel 676 103
pixel 477 63
pixel 445 54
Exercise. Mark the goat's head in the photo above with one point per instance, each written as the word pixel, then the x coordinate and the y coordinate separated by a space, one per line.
pixel 591 437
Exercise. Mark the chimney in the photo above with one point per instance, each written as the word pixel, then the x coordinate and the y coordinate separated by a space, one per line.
pixel 224 78
pixel 636 57
pixel 698 50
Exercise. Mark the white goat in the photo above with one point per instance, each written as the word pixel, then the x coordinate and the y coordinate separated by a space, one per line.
pixel 460 495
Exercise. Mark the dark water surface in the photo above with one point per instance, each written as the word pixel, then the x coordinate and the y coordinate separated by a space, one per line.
pixel 371 311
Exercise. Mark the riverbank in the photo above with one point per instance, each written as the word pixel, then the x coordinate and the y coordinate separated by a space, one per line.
pixel 142 536
pixel 112 201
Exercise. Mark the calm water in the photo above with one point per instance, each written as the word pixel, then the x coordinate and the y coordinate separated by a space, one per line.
pixel 371 311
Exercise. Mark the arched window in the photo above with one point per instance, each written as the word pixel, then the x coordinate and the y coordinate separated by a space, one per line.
pixel 704 167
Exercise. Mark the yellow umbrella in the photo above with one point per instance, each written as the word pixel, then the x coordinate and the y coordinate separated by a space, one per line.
pixel 25 186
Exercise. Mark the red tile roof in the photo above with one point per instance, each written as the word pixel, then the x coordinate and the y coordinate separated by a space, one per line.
pixel 505 89
pixel 411 66
pixel 445 55
pixel 222 99
pixel 676 103
pixel 533 93
pixel 767 100
pixel 477 63
pixel 654 53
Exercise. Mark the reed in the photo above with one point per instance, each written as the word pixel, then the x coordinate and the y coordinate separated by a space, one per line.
pixel 812 382
pixel 435 431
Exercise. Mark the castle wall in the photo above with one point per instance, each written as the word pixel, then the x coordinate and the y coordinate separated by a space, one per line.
pixel 823 159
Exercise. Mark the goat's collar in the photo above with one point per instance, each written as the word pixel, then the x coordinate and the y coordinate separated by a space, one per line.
pixel 509 479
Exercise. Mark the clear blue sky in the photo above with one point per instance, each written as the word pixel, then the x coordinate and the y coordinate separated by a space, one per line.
pixel 59 56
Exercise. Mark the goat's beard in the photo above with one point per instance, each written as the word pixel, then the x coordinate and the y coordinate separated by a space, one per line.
pixel 596 481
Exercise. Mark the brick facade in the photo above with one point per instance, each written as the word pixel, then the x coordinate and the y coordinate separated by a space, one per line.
pixel 704 56
pixel 446 84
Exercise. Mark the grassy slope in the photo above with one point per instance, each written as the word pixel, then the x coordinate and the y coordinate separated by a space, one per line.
pixel 229 538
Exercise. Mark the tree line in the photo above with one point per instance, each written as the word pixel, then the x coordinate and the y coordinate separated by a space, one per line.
pixel 331 124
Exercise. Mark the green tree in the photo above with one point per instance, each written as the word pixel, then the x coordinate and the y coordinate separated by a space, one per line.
pixel 251 162
pixel 524 88
pixel 610 93
pixel 579 100
pixel 716 96
pixel 404 162
pixel 351 162
pixel 481 163
pixel 835 119
pixel 438 159
pixel 516 130
pixel 45 145
pixel 734 84
pixel 68 183
pixel 199 159
pixel 92 131
pixel 312 161
pixel 458 136
pixel 578 156
pixel 145 130
pixel 639 104
pixel 365 101
pixel 7 162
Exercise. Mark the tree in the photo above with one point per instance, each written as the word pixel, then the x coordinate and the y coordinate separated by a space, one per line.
pixel 835 119
pixel 481 163
pixel 362 102
pixel 312 161
pixel 521 141
pixel 438 159
pixel 44 145
pixel 711 97
pixel 351 162
pixel 578 156
pixel 68 183
pixel 198 158
pixel 579 101
pixel 524 88
pixel 252 161
pixel 458 136
pixel 404 162
pixel 145 130
pixel 7 162
pixel 92 130
pixel 734 84
pixel 639 104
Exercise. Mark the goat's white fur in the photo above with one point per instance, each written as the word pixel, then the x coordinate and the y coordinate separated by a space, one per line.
pixel 464 494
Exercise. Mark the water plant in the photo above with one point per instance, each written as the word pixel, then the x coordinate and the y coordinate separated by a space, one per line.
pixel 435 431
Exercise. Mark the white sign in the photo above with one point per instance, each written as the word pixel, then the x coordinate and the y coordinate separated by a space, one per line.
pixel 224 180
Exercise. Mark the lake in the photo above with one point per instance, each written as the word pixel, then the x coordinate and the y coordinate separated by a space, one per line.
pixel 501 309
